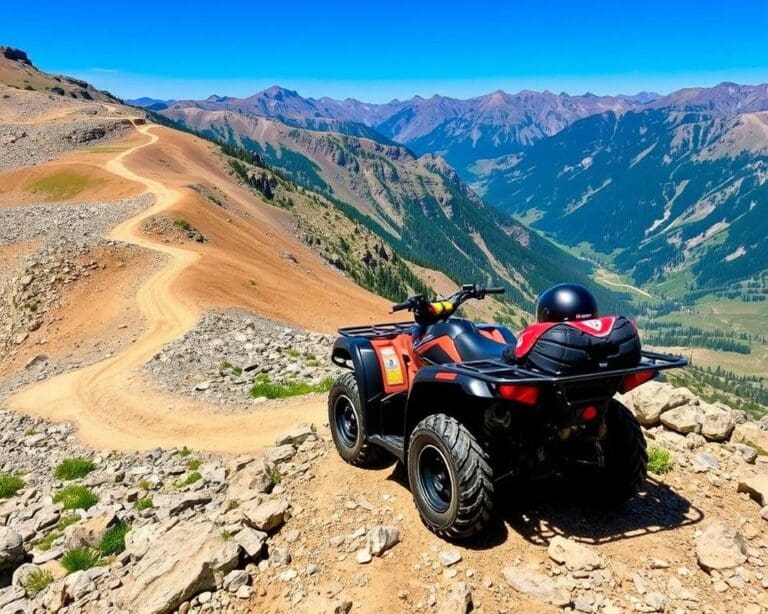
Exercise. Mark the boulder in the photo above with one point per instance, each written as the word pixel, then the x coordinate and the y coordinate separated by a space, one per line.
pixel 382 538
pixel 87 534
pixel 535 584
pixel 756 486
pixel 297 435
pixel 11 548
pixel 182 563
pixel 281 454
pixel 751 435
pixel 684 419
pixel 174 504
pixel 458 600
pixel 575 556
pixel 652 399
pixel 265 516
pixel 254 479
pixel 251 541
pixel 720 547
pixel 717 423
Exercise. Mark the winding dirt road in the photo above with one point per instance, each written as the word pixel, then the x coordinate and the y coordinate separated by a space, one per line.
pixel 109 401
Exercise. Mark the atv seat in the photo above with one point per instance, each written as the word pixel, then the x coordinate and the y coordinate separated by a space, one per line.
pixel 476 346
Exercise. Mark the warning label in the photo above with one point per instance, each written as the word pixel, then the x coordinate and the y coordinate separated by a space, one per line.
pixel 393 373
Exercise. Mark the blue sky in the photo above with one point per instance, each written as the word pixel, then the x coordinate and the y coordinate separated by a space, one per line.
pixel 377 51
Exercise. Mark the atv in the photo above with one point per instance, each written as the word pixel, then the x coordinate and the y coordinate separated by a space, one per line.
pixel 465 406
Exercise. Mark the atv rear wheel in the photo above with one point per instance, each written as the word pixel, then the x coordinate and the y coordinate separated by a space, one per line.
pixel 345 417
pixel 450 476
pixel 625 458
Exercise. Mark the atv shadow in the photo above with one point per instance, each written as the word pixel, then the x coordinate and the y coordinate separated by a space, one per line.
pixel 541 510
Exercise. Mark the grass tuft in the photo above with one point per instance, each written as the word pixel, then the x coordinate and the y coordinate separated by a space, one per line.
pixel 193 477
pixel 38 581
pixel 144 504
pixel 263 387
pixel 193 464
pixel 73 469
pixel 113 540
pixel 79 559
pixel 659 461
pixel 10 485
pixel 76 497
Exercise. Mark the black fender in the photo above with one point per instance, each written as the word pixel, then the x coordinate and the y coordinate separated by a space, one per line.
pixel 358 355
pixel 436 389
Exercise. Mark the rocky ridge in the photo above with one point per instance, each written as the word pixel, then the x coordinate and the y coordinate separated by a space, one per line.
pixel 220 359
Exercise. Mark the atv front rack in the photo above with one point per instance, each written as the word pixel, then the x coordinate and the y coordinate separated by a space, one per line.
pixel 377 331
pixel 501 372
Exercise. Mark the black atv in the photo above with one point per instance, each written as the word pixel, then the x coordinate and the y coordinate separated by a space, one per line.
pixel 466 405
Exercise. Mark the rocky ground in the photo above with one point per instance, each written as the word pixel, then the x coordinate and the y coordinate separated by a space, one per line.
pixel 66 239
pixel 294 529
pixel 222 358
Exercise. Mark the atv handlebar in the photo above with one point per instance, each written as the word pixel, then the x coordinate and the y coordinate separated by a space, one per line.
pixel 424 309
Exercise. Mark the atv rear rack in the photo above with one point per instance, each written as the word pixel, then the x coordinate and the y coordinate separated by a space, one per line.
pixel 377 331
pixel 501 372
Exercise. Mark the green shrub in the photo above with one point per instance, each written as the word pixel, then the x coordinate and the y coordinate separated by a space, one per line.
pixel 76 497
pixel 144 504
pixel 193 477
pixel 79 559
pixel 144 484
pixel 37 581
pixel 183 224
pixel 264 388
pixel 193 464
pixel 184 452
pixel 276 476
pixel 73 468
pixel 226 535
pixel 113 540
pixel 46 542
pixel 659 461
pixel 10 485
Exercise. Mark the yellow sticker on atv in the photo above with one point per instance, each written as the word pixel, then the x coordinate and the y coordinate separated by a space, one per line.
pixel 393 373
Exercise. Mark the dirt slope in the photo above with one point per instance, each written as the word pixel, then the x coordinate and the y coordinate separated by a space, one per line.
pixel 242 267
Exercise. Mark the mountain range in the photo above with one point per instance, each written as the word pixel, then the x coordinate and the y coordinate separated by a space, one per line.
pixel 667 185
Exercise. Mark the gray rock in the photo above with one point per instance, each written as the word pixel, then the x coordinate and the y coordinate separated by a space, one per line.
pixel 251 541
pixel 10 594
pixel 573 555
pixel 11 548
pixel 756 486
pixel 183 562
pixel 297 435
pixel 235 579
pixel 382 538
pixel 281 454
pixel 265 516
pixel 363 556
pixel 685 419
pixel 720 547
pixel 652 399
pixel 174 504
pixel 449 557
pixel 458 600
pixel 704 461
pixel 717 423
pixel 536 584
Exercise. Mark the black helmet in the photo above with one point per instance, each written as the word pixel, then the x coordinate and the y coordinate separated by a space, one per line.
pixel 566 302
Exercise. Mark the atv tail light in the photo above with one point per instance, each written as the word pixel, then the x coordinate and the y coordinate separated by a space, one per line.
pixel 589 413
pixel 528 395
pixel 633 380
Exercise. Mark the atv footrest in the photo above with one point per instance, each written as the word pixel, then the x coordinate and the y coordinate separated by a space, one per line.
pixel 391 443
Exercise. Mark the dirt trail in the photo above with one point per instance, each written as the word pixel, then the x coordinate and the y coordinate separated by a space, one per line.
pixel 111 404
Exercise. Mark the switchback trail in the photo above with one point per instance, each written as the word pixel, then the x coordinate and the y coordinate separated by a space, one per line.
pixel 109 401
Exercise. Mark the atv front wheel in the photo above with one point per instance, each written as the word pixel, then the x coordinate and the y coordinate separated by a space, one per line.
pixel 345 417
pixel 625 458
pixel 450 476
